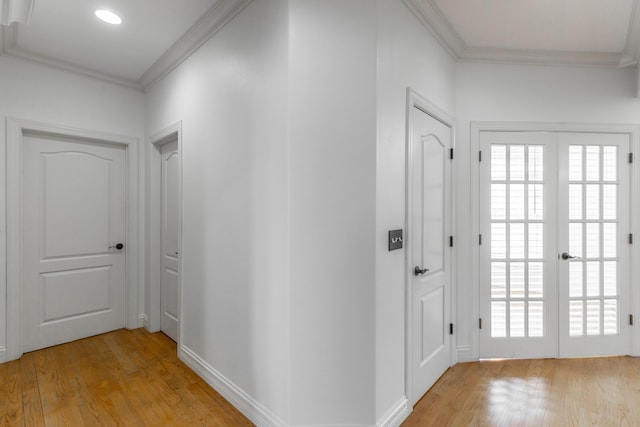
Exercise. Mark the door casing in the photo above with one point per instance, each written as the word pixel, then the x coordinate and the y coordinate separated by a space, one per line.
pixel 16 128
pixel 414 100
pixel 157 140
pixel 472 352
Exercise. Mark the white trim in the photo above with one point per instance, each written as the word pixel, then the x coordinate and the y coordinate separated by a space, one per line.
pixel 143 321
pixel 632 130
pixel 474 187
pixel 630 53
pixel 246 404
pixel 435 21
pixel 16 11
pixel 169 134
pixel 10 48
pixel 465 354
pixel 3 354
pixel 221 13
pixel 396 414
pixel 417 101
pixel 15 131
pixel 634 223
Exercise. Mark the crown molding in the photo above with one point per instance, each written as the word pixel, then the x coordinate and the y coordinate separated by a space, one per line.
pixel 16 11
pixel 434 20
pixel 221 13
pixel 9 47
pixel 540 57
pixel 631 52
pixel 210 23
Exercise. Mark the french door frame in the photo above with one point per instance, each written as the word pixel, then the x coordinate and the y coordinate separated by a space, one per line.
pixel 633 131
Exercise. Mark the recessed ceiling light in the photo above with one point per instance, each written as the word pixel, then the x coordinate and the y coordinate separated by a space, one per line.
pixel 108 17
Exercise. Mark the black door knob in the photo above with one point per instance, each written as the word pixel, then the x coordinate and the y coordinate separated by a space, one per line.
pixel 567 256
pixel 118 246
pixel 419 271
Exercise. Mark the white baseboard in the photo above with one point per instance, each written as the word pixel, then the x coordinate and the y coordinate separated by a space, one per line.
pixel 465 354
pixel 252 409
pixel 143 319
pixel 3 354
pixel 396 414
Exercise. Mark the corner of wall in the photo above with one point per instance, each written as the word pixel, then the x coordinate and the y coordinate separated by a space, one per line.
pixel 143 321
pixel 249 407
pixel 396 414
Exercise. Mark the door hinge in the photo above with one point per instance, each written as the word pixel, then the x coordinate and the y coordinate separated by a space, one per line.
pixel 480 239
pixel 450 241
pixel 450 328
pixel 630 238
pixel 630 157
pixel 480 155
pixel 480 323
pixel 450 153
pixel 631 319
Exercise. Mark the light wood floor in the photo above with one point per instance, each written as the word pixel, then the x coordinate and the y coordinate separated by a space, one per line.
pixel 133 378
pixel 123 378
pixel 568 392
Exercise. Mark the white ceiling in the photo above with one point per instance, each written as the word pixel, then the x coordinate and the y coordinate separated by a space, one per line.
pixel 155 35
pixel 591 32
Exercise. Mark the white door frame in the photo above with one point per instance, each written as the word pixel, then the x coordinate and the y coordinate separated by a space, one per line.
pixel 16 129
pixel 634 136
pixel 171 133
pixel 414 100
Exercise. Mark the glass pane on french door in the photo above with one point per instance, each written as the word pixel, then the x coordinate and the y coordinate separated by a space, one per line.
pixel 593 213
pixel 517 262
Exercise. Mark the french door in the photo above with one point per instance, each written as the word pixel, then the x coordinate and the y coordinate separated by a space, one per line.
pixel 554 253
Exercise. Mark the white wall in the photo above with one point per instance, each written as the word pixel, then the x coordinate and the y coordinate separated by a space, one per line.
pixel 332 181
pixel 309 208
pixel 231 96
pixel 37 93
pixel 409 56
pixel 522 93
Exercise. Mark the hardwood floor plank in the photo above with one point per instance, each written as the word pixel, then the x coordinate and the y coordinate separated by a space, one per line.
pixel 31 401
pixel 11 413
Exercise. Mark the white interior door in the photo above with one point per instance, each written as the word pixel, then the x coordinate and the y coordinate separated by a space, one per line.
pixel 74 213
pixel 430 254
pixel 554 258
pixel 170 249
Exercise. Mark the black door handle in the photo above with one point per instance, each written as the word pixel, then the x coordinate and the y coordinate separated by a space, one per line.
pixel 566 256
pixel 118 246
pixel 419 271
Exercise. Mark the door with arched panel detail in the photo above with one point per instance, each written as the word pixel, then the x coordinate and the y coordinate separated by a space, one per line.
pixel 74 265
pixel 430 252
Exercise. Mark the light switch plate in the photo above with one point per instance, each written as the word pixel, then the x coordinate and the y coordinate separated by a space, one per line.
pixel 395 239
